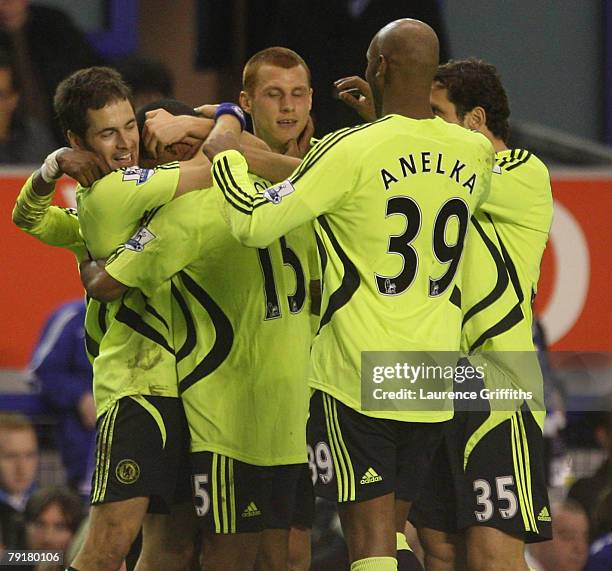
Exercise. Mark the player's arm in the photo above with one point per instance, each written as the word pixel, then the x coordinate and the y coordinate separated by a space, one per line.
pixel 258 218
pixel 269 165
pixel 514 202
pixel 52 225
pixel 485 161
pixel 98 283
pixel 150 264
pixel 193 175
pixel 140 190
pixel 162 129
pixel 355 92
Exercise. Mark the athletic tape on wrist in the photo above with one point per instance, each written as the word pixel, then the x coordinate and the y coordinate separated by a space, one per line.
pixel 50 170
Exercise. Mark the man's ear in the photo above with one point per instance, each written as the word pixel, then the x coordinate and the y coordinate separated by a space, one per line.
pixel 245 102
pixel 476 119
pixel 381 72
pixel 75 141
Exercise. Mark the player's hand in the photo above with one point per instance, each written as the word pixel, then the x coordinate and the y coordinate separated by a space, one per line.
pixel 207 111
pixel 83 166
pixel 219 142
pixel 356 93
pixel 87 411
pixel 299 147
pixel 162 129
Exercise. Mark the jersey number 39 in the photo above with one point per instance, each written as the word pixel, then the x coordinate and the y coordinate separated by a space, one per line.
pixel 444 252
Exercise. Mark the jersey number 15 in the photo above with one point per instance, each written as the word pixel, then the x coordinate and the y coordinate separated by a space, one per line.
pixel 295 300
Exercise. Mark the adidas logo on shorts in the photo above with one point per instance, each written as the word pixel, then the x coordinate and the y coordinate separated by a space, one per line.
pixel 370 477
pixel 251 510
pixel 544 515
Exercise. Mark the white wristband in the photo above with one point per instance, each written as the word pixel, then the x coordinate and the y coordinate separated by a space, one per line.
pixel 50 171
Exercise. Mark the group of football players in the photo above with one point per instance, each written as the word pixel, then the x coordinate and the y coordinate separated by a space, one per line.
pixel 235 282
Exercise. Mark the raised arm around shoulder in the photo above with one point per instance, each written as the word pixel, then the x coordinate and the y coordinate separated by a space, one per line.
pixel 98 282
pixel 250 140
pixel 269 165
pixel 40 186
pixel 194 175
pixel 258 218
pixel 51 225
pixel 163 129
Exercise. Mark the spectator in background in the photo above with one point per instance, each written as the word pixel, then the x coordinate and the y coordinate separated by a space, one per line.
pixel 64 375
pixel 586 491
pixel 568 549
pixel 600 553
pixel 23 139
pixel 52 516
pixel 149 79
pixel 18 469
pixel 45 46
pixel 555 452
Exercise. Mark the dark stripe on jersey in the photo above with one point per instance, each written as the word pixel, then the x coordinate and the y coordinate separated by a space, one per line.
pixel 514 316
pixel 318 149
pixel 519 163
pixel 503 162
pixel 150 309
pixel 324 146
pixel 322 256
pixel 148 216
pixel 229 195
pixel 224 335
pixel 116 253
pixel 327 145
pixel 230 183
pixel 455 297
pixel 102 318
pixel 502 276
pixel 92 346
pixel 350 280
pixel 511 158
pixel 509 265
pixel 130 318
pixel 261 202
pixel 232 180
pixel 190 335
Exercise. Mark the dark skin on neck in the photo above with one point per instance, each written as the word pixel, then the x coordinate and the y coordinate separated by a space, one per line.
pixel 403 58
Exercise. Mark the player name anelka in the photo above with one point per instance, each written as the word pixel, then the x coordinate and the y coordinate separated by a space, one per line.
pixel 426 162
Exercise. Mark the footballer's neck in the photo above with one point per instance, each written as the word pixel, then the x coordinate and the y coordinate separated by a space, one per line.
pixel 275 145
pixel 499 145
pixel 413 103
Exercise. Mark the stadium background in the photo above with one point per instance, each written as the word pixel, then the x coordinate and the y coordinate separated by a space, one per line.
pixel 555 57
